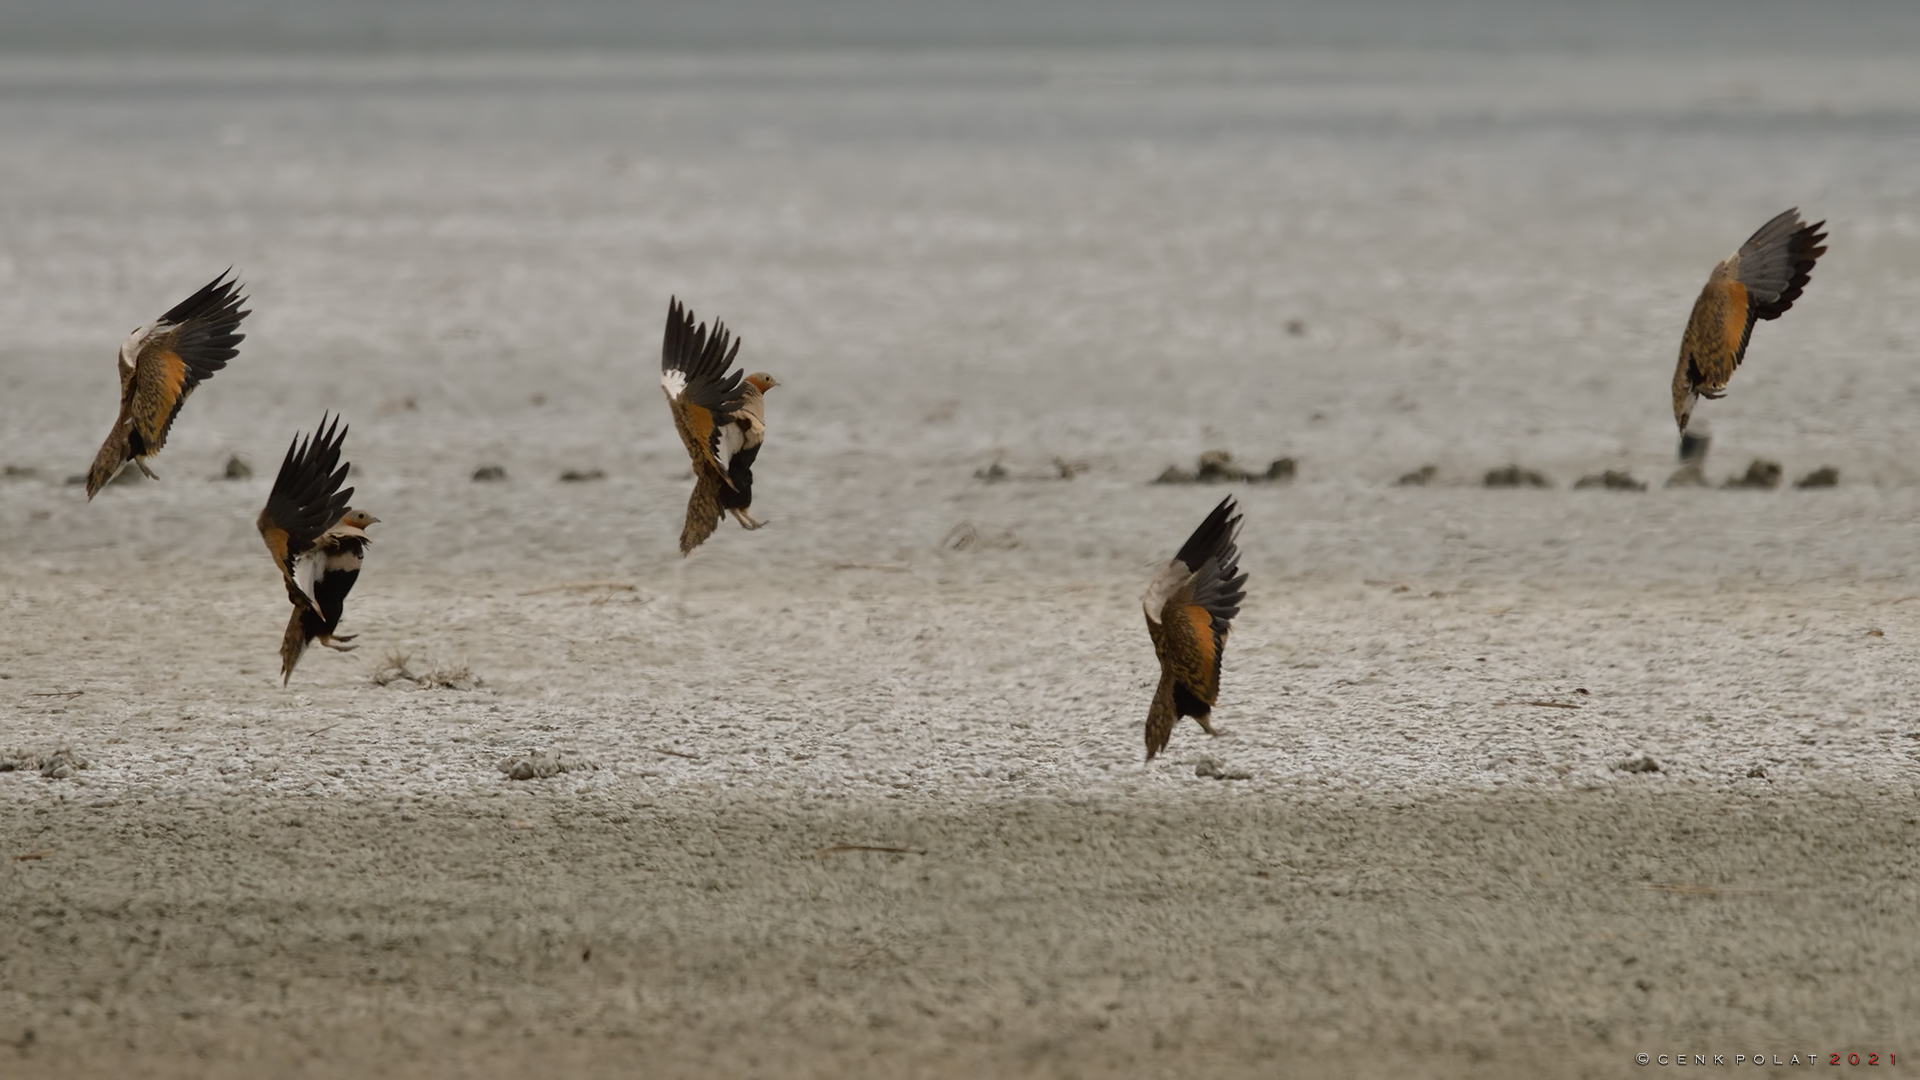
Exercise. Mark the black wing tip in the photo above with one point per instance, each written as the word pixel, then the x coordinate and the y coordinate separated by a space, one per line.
pixel 217 299
pixel 1214 539
pixel 312 470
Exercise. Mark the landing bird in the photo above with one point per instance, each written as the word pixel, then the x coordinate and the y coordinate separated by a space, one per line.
pixel 160 364
pixel 721 418
pixel 1760 281
pixel 316 539
pixel 1189 609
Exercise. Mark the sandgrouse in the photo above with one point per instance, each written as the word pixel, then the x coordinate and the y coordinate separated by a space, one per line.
pixel 317 540
pixel 1760 281
pixel 1189 608
pixel 160 364
pixel 721 419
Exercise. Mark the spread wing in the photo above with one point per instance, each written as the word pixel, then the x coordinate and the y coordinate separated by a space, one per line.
pixel 694 375
pixel 306 499
pixel 1760 281
pixel 176 352
pixel 1777 262
pixel 1190 608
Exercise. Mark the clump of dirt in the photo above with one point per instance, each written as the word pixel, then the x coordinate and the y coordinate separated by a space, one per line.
pixel 1611 480
pixel 397 669
pixel 993 473
pixel 237 469
pixel 967 536
pixel 1217 467
pixel 578 476
pixel 1642 764
pixel 1825 476
pixel 1210 767
pixel 58 765
pixel 488 474
pixel 1513 476
pixel 1419 477
pixel 1762 475
pixel 542 764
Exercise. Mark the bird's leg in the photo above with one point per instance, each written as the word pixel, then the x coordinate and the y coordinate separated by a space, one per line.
pixel 1206 726
pixel 151 475
pixel 745 519
pixel 1712 395
pixel 334 644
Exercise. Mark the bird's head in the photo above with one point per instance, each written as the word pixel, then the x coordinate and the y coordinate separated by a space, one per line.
pixel 762 381
pixel 359 519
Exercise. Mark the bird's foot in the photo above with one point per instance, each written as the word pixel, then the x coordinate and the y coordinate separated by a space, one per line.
pixel 746 520
pixel 1712 395
pixel 335 645
pixel 151 475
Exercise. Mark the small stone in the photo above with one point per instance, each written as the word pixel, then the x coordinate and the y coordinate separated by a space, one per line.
pixel 1514 476
pixel 1642 764
pixel 487 474
pixel 1297 327
pixel 1758 772
pixel 577 476
pixel 1174 475
pixel 20 472
pixel 1419 477
pixel 1207 766
pixel 238 469
pixel 1825 476
pixel 992 473
pixel 1280 470
pixel 1762 475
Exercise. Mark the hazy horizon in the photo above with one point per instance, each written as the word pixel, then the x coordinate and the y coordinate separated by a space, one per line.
pixel 1722 26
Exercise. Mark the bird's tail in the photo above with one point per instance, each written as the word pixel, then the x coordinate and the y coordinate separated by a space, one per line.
pixel 113 457
pixel 703 510
pixel 292 645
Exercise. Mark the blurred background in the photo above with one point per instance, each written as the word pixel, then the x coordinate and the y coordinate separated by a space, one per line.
pixel 1575 25
pixel 1375 236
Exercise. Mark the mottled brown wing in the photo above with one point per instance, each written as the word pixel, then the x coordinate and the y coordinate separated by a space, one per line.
pixel 187 345
pixel 1715 338
pixel 703 508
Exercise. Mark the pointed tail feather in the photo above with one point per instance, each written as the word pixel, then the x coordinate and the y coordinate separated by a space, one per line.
pixel 291 646
pixel 703 511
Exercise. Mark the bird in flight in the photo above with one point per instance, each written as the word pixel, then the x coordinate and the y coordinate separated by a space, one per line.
pixel 1760 281
pixel 1190 606
pixel 160 364
pixel 720 416
pixel 316 539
